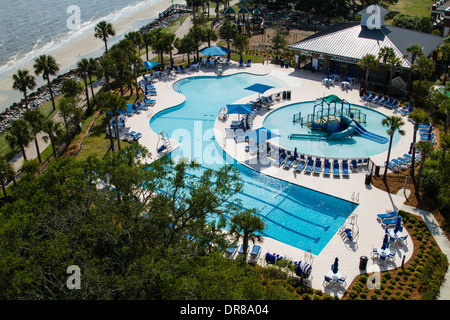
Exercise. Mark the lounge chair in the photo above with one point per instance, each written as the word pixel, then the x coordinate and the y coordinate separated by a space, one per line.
pixel 398 163
pixel 231 251
pixel 299 167
pixel 149 102
pixel 254 254
pixel 348 232
pixel 309 166
pixel 241 249
pixel 161 149
pixel 367 95
pixel 390 222
pixel 137 136
pixel 175 68
pixel 168 71
pixel 393 166
pixel 281 159
pixel 182 70
pixel 241 63
pixel 249 63
pixel 129 134
pixel 372 97
pixel 354 164
pixel 345 172
pixel 378 99
pixel 327 168
pixel 384 100
pixel 317 166
pixel 393 105
pixel 336 171
pixel 387 102
pixel 389 215
pixel 289 162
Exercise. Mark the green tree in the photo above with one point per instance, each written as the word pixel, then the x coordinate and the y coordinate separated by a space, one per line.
pixel 68 108
pixel 47 66
pixel 418 116
pixel 425 148
pixel 210 35
pixel 186 45
pixel 52 130
pixel 7 173
pixel 83 70
pixel 415 51
pixel 35 120
pixel 228 31
pixel 116 104
pixel 425 68
pixel 246 225
pixel 241 42
pixel 198 35
pixel 103 30
pixel 278 40
pixel 71 87
pixel 22 82
pixel 394 124
pixel 19 135
pixel 368 62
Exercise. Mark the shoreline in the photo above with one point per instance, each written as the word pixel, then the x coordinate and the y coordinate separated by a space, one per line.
pixel 68 56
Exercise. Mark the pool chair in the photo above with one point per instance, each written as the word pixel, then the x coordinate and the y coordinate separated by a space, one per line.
pixel 175 68
pixel 378 99
pixel 398 163
pixel 392 105
pixel 240 137
pixel 241 249
pixel 309 165
pixel 354 164
pixel 345 172
pixel 237 125
pixel 384 100
pixel 389 215
pixel 182 70
pixel 317 166
pixel 367 95
pixel 137 136
pixel 372 97
pixel 348 233
pixel 254 254
pixel 135 109
pixel 249 63
pixel 289 162
pixel 127 135
pixel 327 168
pixel 241 63
pixel 300 165
pixel 390 222
pixel 405 161
pixel 387 102
pixel 231 251
pixel 168 71
pixel 141 106
pixel 161 149
pixel 336 168
pixel 407 111
pixel 149 102
pixel 254 149
pixel 251 144
pixel 281 158
pixel 392 166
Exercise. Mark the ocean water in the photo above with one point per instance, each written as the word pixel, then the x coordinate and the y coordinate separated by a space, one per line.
pixel 30 28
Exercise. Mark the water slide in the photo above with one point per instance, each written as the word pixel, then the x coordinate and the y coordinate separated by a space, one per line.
pixel 369 135
pixel 344 133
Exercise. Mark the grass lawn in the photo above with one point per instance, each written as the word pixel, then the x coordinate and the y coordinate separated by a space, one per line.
pixel 413 7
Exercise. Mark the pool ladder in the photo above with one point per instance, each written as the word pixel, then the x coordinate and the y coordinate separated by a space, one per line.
pixel 355 197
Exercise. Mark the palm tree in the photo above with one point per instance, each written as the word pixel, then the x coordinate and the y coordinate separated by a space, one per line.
pixel 186 45
pixel 228 31
pixel 210 35
pixel 19 135
pixel 425 148
pixel 368 62
pixel 114 103
pixel 103 104
pixel 106 69
pixel 246 225
pixel 415 50
pixel 7 173
pixel 198 35
pixel 82 69
pixel 417 116
pixel 394 62
pixel 241 42
pixel 23 81
pixel 71 87
pixel 52 130
pixel 385 55
pixel 92 67
pixel 48 67
pixel 444 53
pixel 425 67
pixel 103 30
pixel 147 42
pixel 35 119
pixel 394 124
pixel 445 107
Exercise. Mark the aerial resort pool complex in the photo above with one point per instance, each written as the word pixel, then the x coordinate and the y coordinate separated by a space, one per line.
pixel 303 155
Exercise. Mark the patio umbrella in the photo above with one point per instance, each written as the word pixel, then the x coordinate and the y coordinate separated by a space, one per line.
pixel 261 135
pixel 335 265
pixel 385 244
pixel 239 108
pixel 214 51
pixel 259 87
pixel 229 10
pixel 398 225
pixel 150 64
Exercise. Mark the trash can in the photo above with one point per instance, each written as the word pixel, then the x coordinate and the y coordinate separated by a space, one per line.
pixel 368 179
pixel 363 262
pixel 284 95
pixel 288 95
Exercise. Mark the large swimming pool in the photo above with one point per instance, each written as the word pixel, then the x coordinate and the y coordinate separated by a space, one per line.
pixel 294 215
pixel 356 146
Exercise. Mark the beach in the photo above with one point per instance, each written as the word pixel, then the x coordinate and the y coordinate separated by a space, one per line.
pixel 86 46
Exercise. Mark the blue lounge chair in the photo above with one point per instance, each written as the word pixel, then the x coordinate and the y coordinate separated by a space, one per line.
pixel 137 136
pixel 281 159
pixel 168 71
pixel 241 63
pixel 317 166
pixel 175 68
pixel 389 215
pixel 309 166
pixel 398 163
pixel 378 99
pixel 367 95
pixel 161 149
pixel 372 97
pixel 231 251
pixel 348 232
pixel 327 168
pixel 390 222
pixel 300 166
pixel 289 162
pixel 149 102
pixel 249 63
pixel 354 164
pixel 345 168
pixel 384 100
pixel 182 70
pixel 387 102
pixel 336 171
pixel 393 166
pixel 129 134
pixel 254 254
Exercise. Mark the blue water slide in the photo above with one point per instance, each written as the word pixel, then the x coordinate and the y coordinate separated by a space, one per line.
pixel 369 135
pixel 343 134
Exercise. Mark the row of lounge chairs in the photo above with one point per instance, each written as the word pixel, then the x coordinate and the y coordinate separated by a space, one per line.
pixel 132 136
pixel 426 132
pixel 302 268
pixel 381 99
pixel 248 64
pixel 401 163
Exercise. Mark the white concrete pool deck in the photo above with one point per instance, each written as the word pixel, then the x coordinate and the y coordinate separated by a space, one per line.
pixel 304 86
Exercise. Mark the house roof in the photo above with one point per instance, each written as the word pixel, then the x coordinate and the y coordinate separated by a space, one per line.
pixel 351 40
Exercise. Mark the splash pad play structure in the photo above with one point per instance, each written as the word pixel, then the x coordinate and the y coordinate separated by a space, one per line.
pixel 333 118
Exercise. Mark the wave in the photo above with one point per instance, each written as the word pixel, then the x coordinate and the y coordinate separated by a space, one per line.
pixel 58 41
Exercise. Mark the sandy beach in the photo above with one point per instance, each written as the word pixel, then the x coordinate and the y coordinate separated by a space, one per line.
pixel 86 46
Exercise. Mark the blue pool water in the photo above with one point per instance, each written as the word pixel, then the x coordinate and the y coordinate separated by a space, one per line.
pixel 350 147
pixel 294 215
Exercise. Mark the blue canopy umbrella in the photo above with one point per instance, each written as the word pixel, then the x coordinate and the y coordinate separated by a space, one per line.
pixel 398 226
pixel 150 64
pixel 261 135
pixel 335 265
pixel 385 244
pixel 214 51
pixel 259 87
pixel 239 108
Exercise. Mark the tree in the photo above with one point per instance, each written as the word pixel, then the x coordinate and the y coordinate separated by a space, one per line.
pixel 67 109
pixel 106 69
pixel 241 42
pixel 425 67
pixel 247 225
pixel 210 35
pixel 52 130
pixel 35 119
pixel 7 173
pixel 198 35
pixel 48 67
pixel 92 67
pixel 186 45
pixel 116 104
pixel 19 135
pixel 147 42
pixel 71 87
pixel 103 30
pixel 394 124
pixel 415 51
pixel 417 116
pixel 228 31
pixel 23 81
pixel 103 104
pixel 385 55
pixel 278 40
pixel 425 148
pixel 444 53
pixel 83 69
pixel 368 62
